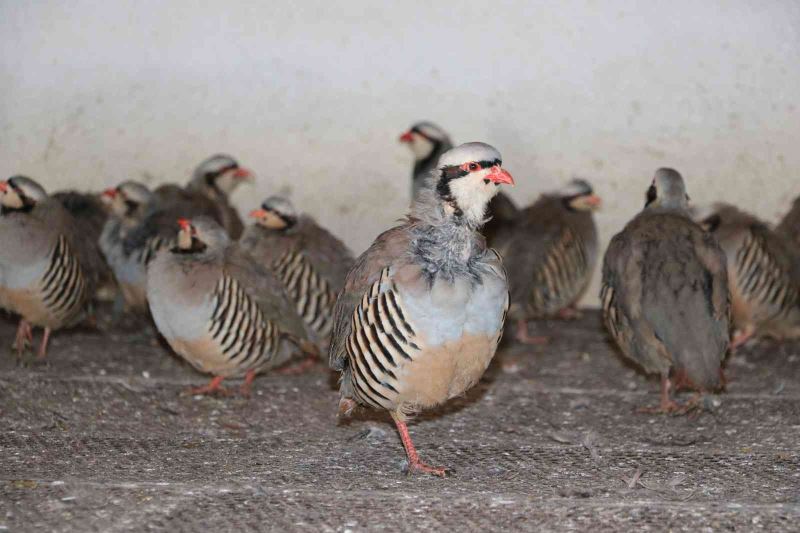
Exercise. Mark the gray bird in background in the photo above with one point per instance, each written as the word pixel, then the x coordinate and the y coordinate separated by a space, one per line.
pixel 763 274
pixel 218 308
pixel 665 293
pixel 550 254
pixel 310 262
pixel 48 270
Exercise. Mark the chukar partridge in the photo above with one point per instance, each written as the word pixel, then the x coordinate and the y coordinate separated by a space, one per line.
pixel 428 142
pixel 218 308
pixel 550 255
pixel 128 203
pixel 665 293
pixel 763 274
pixel 422 310
pixel 46 267
pixel 216 178
pixel 205 195
pixel 310 262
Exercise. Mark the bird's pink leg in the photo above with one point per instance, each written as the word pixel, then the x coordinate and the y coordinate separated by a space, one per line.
pixel 43 347
pixel 24 337
pixel 214 387
pixel 414 463
pixel 244 390
pixel 525 338
pixel 667 405
pixel 742 337
pixel 569 313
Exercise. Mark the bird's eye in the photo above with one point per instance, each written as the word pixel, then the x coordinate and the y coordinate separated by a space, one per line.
pixel 473 167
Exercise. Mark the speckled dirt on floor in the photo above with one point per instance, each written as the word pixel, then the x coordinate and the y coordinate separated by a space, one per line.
pixel 101 439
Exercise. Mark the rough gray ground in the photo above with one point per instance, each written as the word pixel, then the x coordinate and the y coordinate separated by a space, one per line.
pixel 101 439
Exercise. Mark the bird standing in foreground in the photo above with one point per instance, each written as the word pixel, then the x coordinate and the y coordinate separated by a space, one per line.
pixel 218 309
pixel 763 274
pixel 428 142
pixel 422 310
pixel 665 293
pixel 310 262
pixel 550 254
pixel 46 268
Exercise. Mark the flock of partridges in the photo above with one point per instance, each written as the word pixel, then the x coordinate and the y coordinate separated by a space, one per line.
pixel 417 317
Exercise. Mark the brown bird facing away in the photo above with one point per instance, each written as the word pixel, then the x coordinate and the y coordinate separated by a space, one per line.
pixel 205 195
pixel 550 254
pixel 310 262
pixel 47 269
pixel 128 203
pixel 422 310
pixel 763 274
pixel 789 227
pixel 218 308
pixel 428 142
pixel 665 293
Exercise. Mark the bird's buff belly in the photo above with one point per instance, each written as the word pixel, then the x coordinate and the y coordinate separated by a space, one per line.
pixel 206 356
pixel 29 305
pixel 439 373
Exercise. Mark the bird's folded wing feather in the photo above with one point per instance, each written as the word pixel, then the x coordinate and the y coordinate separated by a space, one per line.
pixel 388 248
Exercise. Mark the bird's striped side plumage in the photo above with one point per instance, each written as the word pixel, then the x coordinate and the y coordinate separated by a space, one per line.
pixel 561 277
pixel 310 291
pixel 381 340
pixel 63 287
pixel 244 336
pixel 762 280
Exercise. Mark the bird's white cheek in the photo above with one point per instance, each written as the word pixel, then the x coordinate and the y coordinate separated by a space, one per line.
pixel 472 195
pixel 421 147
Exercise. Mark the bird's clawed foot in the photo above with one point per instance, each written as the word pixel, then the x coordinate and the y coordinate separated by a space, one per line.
pixel 23 340
pixel 214 388
pixel 668 406
pixel 419 466
pixel 525 338
pixel 741 337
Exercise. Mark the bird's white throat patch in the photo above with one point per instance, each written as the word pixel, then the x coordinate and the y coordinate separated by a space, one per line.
pixel 472 194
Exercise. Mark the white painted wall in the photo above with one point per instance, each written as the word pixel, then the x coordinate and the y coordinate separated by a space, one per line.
pixel 313 95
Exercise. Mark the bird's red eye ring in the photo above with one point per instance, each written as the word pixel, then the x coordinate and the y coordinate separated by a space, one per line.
pixel 470 167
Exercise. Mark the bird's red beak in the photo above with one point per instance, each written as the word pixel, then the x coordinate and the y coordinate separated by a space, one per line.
pixel 500 175
pixel 110 193
pixel 257 213
pixel 407 137
pixel 184 223
pixel 3 186
pixel 593 200
pixel 243 174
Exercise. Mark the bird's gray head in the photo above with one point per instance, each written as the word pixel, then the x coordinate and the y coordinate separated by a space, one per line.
pixel 667 190
pixel 21 193
pixel 127 197
pixel 198 234
pixel 276 212
pixel 466 178
pixel 221 174
pixel 578 195
pixel 423 138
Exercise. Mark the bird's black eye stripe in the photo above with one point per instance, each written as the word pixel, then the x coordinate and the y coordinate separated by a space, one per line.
pixel 651 195
pixel 452 172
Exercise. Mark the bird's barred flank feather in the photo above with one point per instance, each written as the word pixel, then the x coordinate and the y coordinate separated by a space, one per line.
pixel 761 279
pixel 237 324
pixel 381 340
pixel 310 292
pixel 63 285
pixel 561 277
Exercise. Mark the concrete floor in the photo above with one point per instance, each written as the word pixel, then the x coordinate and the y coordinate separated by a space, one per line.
pixel 101 439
